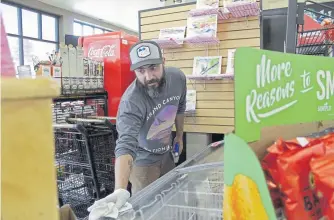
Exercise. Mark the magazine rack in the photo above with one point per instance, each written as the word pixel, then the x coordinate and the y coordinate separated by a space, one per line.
pixel 200 12
pixel 194 78
pixel 202 41
pixel 169 43
pixel 243 9
pixel 225 15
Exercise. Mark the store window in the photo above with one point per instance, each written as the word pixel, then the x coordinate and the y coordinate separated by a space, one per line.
pixel 84 29
pixel 31 33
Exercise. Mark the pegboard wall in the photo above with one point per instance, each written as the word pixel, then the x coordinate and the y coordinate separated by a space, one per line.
pixel 215 98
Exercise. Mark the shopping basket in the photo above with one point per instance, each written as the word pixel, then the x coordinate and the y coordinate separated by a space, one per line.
pixel 101 143
pixel 76 177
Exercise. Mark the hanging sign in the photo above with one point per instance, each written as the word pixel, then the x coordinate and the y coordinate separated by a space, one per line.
pixel 273 88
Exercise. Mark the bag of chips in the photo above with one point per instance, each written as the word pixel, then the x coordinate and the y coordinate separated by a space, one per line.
pixel 269 165
pixel 300 200
pixel 329 143
pixel 287 168
pixel 322 181
pixel 242 200
pixel 269 162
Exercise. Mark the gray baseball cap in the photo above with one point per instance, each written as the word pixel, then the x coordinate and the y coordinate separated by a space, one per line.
pixel 145 53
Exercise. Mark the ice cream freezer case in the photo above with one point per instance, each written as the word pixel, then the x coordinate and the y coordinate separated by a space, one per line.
pixel 193 190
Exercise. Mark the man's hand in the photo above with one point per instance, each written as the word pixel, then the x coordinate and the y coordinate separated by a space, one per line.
pixel 179 123
pixel 119 197
pixel 180 141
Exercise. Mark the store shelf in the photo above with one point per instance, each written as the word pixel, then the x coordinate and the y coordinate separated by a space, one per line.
pixel 224 15
pixel 205 11
pixel 243 9
pixel 211 77
pixel 208 11
pixel 84 96
pixel 169 43
pixel 201 40
pixel 91 104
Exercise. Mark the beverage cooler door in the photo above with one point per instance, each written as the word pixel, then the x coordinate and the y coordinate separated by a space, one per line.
pixel 113 49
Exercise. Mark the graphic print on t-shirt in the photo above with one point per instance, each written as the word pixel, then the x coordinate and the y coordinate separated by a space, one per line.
pixel 162 125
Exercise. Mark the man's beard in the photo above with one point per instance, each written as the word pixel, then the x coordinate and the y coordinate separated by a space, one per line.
pixel 155 91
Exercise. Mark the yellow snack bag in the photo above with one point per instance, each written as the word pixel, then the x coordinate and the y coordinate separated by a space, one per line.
pixel 243 201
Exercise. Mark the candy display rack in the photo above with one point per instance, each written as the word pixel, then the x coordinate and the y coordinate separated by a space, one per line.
pixel 224 14
pixel 169 43
pixel 193 78
pixel 243 9
pixel 202 41
pixel 210 11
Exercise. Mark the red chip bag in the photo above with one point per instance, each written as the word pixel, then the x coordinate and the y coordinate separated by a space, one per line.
pixel 269 165
pixel 329 143
pixel 275 194
pixel 322 179
pixel 300 201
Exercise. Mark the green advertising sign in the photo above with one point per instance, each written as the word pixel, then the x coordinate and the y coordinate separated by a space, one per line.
pixel 273 88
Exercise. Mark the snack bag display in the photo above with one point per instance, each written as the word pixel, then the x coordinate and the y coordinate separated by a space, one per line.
pixel 328 142
pixel 275 193
pixel 322 181
pixel 244 199
pixel 269 165
pixel 300 200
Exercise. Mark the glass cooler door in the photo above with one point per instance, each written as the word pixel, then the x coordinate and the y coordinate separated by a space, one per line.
pixel 192 191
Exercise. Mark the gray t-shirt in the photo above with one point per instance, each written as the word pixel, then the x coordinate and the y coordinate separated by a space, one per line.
pixel 144 124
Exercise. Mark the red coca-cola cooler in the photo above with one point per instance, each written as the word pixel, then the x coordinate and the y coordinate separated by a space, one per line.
pixel 113 48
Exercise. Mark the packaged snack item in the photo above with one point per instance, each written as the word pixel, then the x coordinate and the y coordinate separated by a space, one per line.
pixel 275 193
pixel 269 165
pixel 269 162
pixel 243 197
pixel 329 142
pixel 322 181
pixel 300 200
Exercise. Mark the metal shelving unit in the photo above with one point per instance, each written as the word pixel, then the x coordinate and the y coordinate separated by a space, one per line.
pixel 317 41
pixel 79 105
pixel 85 97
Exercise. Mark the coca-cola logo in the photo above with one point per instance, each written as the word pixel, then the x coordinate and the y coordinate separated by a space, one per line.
pixel 105 51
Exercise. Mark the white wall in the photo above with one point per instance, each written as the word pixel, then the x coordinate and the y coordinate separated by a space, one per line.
pixel 67 17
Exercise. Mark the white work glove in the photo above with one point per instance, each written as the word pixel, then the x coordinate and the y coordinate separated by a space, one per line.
pixel 119 197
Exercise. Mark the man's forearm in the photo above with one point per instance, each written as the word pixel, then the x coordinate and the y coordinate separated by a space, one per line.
pixel 123 169
pixel 179 124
